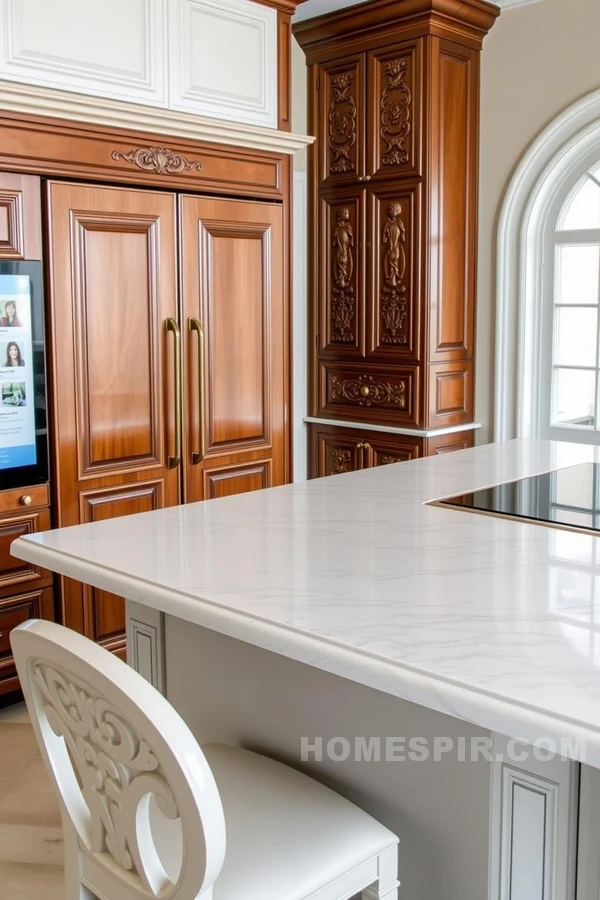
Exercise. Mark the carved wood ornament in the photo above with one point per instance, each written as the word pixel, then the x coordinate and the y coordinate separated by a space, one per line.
pixel 158 159
pixel 342 123
pixel 342 292
pixel 396 99
pixel 366 391
pixel 394 297
pixel 341 461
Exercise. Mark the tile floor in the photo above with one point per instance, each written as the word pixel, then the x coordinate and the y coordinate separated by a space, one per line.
pixel 31 852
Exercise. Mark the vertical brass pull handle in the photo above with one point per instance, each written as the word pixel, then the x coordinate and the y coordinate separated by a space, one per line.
pixel 366 456
pixel 172 326
pixel 194 325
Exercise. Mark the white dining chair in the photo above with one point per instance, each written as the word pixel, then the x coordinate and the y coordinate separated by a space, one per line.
pixel 149 814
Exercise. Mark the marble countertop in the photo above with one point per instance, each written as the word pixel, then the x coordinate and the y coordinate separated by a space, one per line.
pixel 489 620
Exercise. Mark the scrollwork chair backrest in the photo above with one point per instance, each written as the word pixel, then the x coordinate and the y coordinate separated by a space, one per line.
pixel 141 812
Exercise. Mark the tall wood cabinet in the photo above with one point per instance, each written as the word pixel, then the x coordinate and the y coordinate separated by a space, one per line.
pixel 169 379
pixel 394 103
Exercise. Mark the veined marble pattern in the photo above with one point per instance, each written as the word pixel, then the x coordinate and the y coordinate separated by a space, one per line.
pixel 355 575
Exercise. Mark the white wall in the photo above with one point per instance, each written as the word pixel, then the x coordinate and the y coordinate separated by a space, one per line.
pixel 536 61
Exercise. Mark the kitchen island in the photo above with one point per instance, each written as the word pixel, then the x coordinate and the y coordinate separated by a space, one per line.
pixel 331 623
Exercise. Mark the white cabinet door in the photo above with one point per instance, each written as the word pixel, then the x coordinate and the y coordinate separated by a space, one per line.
pixel 534 813
pixel 223 60
pixel 588 851
pixel 112 48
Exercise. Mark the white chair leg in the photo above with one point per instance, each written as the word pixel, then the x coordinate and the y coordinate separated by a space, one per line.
pixel 386 887
pixel 74 889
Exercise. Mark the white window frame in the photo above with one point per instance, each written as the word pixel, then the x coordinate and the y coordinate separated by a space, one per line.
pixel 539 182
pixel 553 239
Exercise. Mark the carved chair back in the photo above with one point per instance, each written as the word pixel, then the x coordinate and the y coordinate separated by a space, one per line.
pixel 141 812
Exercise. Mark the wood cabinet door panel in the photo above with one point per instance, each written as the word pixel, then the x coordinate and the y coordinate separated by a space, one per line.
pixel 342 119
pixel 384 452
pixel 394 278
pixel 105 612
pixel 14 610
pixel 225 481
pixel 112 285
pixel 448 443
pixel 13 570
pixel 450 394
pixel 388 396
pixel 454 208
pixel 394 125
pixel 233 291
pixel 341 272
pixel 338 453
pixel 20 216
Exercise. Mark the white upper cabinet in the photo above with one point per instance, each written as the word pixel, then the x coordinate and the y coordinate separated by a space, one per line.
pixel 209 57
pixel 223 59
pixel 113 48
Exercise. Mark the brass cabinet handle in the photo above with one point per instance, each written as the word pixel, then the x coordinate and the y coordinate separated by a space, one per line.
pixel 194 325
pixel 367 446
pixel 172 326
pixel 26 500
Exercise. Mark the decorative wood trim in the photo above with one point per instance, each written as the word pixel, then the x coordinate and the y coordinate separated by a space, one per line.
pixel 37 101
pixel 474 18
pixel 13 246
pixel 158 159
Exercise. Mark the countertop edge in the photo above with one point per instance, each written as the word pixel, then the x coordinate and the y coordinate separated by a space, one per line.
pixel 485 710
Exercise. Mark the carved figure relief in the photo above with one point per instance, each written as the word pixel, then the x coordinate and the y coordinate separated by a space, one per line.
pixel 158 159
pixel 115 767
pixel 394 297
pixel 341 460
pixel 396 99
pixel 342 291
pixel 388 460
pixel 366 391
pixel 342 124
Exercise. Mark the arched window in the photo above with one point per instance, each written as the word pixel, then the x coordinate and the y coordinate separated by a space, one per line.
pixel 547 372
pixel 570 358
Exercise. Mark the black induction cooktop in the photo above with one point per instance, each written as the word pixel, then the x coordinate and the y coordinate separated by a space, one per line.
pixel 565 497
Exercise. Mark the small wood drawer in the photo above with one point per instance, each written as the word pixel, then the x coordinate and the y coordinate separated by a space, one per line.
pixel 14 611
pixel 387 397
pixel 17 571
pixel 27 498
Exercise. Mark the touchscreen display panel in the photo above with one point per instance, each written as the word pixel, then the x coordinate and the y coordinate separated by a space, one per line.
pixel 17 405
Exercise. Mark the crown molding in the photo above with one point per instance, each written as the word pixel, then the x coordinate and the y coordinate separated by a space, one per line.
pixel 38 101
pixel 512 4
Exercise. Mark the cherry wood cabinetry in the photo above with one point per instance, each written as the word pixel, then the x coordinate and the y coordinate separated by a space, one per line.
pixel 25 590
pixel 336 449
pixel 394 94
pixel 160 408
pixel 234 332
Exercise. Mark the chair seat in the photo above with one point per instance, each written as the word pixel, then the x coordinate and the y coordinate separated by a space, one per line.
pixel 287 835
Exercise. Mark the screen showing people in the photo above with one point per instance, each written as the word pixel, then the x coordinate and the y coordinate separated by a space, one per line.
pixel 17 414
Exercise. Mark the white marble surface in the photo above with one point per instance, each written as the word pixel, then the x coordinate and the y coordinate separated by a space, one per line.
pixel 489 620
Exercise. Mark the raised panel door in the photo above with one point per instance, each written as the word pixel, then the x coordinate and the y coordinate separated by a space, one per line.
pixel 394 277
pixel 20 216
pixel 235 340
pixel 341 86
pixel 336 453
pixel 341 272
pixel 394 127
pixel 112 286
pixel 453 192
pixel 385 451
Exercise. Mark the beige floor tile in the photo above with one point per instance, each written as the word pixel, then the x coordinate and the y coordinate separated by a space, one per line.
pixel 4 782
pixel 30 844
pixel 17 745
pixel 16 713
pixel 30 799
pixel 25 882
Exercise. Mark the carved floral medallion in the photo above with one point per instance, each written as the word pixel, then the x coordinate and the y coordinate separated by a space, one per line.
pixel 342 460
pixel 396 102
pixel 342 124
pixel 368 391
pixel 158 159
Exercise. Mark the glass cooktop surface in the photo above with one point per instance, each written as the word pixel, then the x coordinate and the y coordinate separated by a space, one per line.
pixel 566 497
